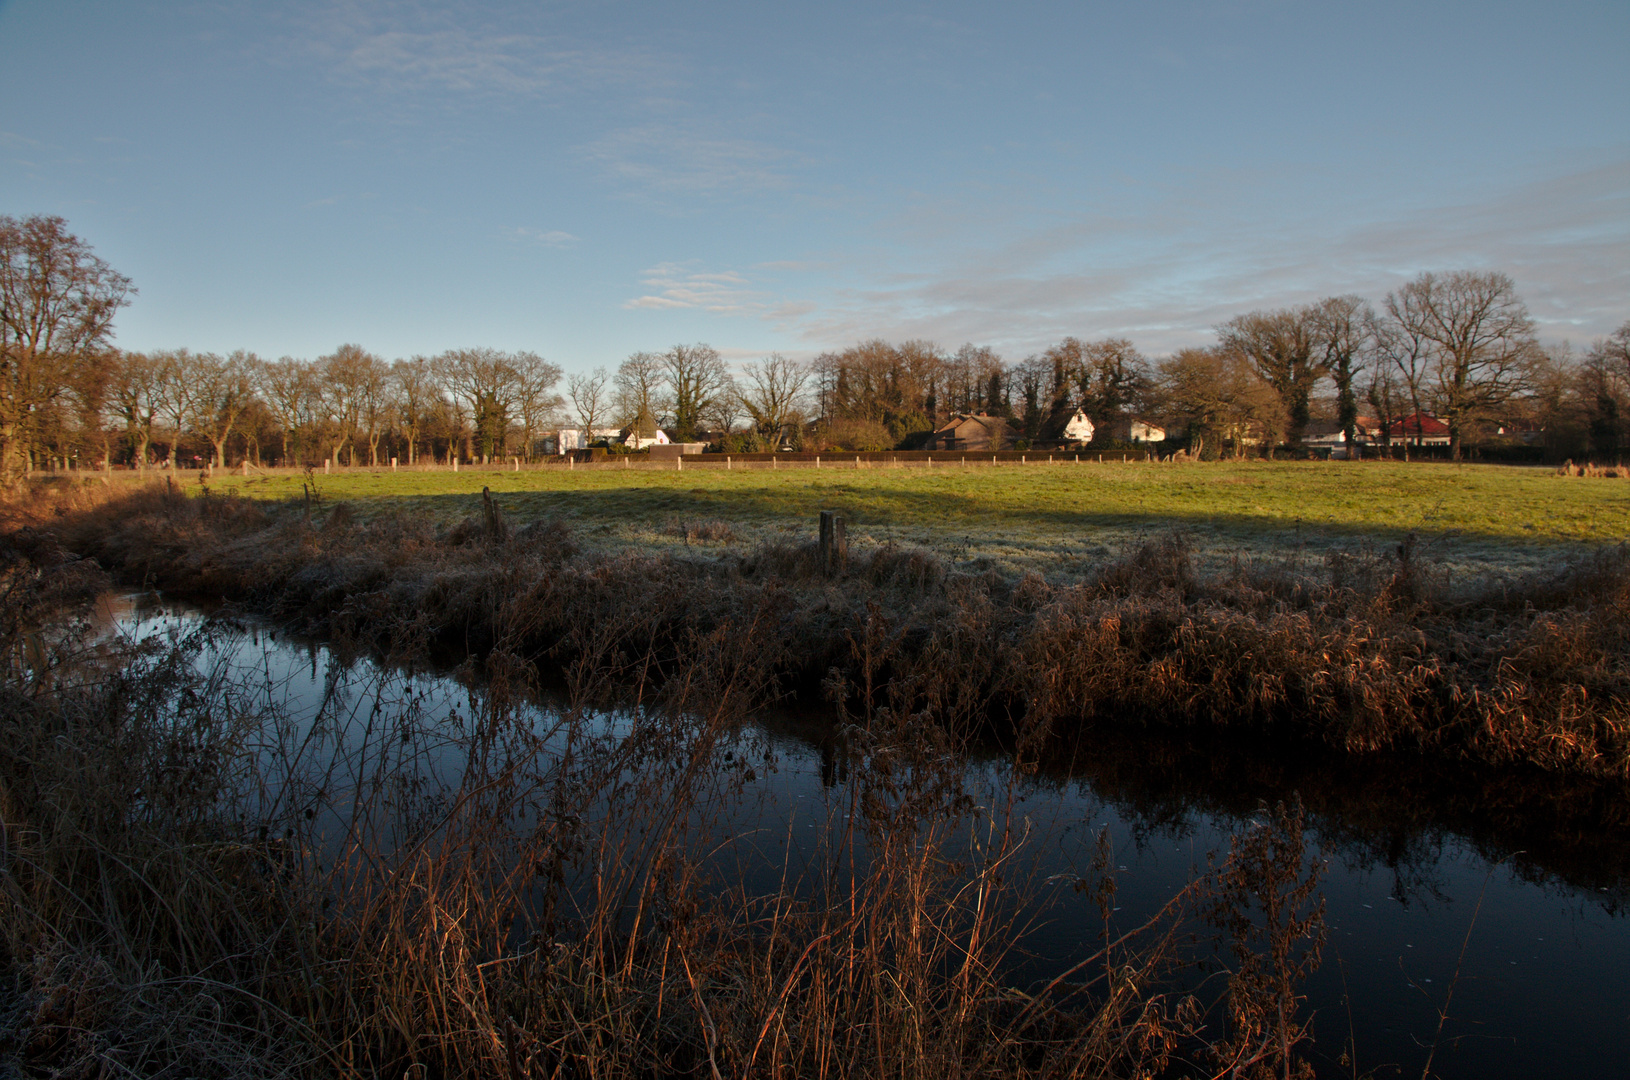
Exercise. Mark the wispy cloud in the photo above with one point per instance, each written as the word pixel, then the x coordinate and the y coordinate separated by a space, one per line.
pixel 684 157
pixel 677 285
pixel 460 49
pixel 555 238
pixel 1166 275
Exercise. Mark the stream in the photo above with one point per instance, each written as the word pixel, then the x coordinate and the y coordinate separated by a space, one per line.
pixel 1485 915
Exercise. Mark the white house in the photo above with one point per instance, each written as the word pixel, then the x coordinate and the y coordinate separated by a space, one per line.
pixel 1128 428
pixel 1079 429
pixel 569 439
pixel 639 442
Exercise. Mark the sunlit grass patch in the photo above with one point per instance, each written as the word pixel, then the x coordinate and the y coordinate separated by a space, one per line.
pixel 1037 516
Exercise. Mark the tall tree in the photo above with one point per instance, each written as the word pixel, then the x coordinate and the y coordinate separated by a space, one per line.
pixel 1615 349
pixel 223 388
pixel 1110 376
pixel 57 302
pixel 695 376
pixel 345 378
pixel 1342 331
pixel 484 379
pixel 289 389
pixel 1408 354
pixel 1218 394
pixel 174 394
pixel 535 397
pixel 1602 382
pixel 641 393
pixel 413 389
pixel 590 396
pixel 1283 347
pixel 772 391
pixel 135 401
pixel 967 378
pixel 726 407
pixel 1481 339
pixel 1033 375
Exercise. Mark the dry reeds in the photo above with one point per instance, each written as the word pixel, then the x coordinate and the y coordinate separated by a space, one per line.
pixel 198 883
pixel 1590 469
pixel 1365 653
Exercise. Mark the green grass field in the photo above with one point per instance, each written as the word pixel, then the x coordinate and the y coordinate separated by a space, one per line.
pixel 1056 519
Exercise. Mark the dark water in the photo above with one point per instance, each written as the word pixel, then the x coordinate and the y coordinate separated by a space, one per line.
pixel 1498 899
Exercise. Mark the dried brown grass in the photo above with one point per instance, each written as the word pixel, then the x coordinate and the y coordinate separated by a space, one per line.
pixel 1366 653
pixel 196 884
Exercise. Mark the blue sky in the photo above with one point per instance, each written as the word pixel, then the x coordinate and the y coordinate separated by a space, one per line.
pixel 590 179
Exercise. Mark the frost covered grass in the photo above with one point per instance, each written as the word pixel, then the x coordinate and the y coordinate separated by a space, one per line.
pixel 1058 519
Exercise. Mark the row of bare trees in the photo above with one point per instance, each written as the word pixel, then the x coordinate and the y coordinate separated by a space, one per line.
pixel 349 406
pixel 690 391
pixel 1459 346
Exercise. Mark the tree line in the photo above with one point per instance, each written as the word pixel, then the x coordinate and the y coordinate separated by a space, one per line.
pixel 1459 347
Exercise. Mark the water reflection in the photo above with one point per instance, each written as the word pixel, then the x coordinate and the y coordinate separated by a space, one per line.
pixel 1504 888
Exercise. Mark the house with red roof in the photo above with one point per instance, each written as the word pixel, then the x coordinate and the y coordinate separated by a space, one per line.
pixel 1419 429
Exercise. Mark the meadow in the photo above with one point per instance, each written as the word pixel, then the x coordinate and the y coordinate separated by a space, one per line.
pixel 1060 520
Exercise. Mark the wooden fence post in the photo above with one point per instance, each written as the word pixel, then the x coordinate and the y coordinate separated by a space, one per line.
pixel 834 543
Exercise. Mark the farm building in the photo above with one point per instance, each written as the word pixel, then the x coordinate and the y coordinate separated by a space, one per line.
pixel 977 431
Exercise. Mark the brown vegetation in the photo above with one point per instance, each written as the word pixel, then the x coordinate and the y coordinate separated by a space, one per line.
pixel 196 884
pixel 1370 653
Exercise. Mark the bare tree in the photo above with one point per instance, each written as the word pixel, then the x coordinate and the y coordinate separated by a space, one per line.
pixel 1283 347
pixel 967 379
pixel 1409 355
pixel 641 386
pixel 413 384
pixel 135 401
pixel 535 399
pixel 57 302
pixel 772 393
pixel 1614 350
pixel 1034 376
pixel 289 389
pixel 485 380
pixel 223 389
pixel 726 407
pixel 373 403
pixel 1110 376
pixel 590 396
pixel 344 377
pixel 1385 392
pixel 1481 340
pixel 173 395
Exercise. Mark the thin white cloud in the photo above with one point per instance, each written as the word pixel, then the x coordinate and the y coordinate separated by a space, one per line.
pixel 464 50
pixel 676 285
pixel 685 158
pixel 555 238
